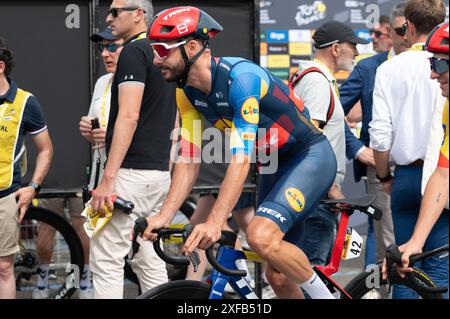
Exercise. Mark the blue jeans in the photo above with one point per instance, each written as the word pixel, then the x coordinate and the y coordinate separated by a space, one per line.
pixel 318 234
pixel 405 203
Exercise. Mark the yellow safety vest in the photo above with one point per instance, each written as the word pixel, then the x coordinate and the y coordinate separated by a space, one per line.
pixel 10 120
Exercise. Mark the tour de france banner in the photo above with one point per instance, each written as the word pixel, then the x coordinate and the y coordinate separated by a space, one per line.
pixel 287 27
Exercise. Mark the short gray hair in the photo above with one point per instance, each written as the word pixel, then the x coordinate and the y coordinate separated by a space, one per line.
pixel 144 4
pixel 398 11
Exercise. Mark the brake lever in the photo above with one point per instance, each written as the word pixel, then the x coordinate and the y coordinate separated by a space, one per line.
pixel 140 225
pixel 194 257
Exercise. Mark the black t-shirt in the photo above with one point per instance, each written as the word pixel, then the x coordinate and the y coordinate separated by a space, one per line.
pixel 150 146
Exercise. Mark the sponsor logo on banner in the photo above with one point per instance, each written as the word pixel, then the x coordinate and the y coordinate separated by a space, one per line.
pixel 295 60
pixel 263 48
pixel 295 198
pixel 249 111
pixel 280 73
pixel 300 36
pixel 278 61
pixel 277 36
pixel 300 48
pixel 308 13
pixel 278 48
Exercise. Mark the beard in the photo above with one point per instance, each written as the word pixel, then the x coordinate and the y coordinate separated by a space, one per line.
pixel 174 74
pixel 345 64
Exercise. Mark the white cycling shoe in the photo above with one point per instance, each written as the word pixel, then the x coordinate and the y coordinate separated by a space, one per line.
pixel 39 293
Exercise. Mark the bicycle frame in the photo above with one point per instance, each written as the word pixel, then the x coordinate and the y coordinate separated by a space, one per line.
pixel 324 272
pixel 227 257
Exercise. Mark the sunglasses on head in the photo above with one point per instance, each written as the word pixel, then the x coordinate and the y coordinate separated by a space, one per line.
pixel 162 49
pixel 114 12
pixel 439 65
pixel 110 47
pixel 377 33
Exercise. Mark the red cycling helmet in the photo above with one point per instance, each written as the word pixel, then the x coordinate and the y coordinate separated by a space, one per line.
pixel 437 41
pixel 181 22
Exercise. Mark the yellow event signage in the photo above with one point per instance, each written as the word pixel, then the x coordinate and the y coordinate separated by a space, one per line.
pixel 278 61
pixel 300 48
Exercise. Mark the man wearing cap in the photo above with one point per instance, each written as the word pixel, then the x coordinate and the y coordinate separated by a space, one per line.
pixel 20 114
pixel 314 83
pixel 404 100
pixel 110 47
pixel 141 119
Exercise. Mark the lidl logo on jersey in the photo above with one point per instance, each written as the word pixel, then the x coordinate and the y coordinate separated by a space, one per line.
pixel 250 111
pixel 295 198
pixel 278 36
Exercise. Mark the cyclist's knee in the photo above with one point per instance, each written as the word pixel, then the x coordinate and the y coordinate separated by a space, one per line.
pixel 264 237
pixel 6 267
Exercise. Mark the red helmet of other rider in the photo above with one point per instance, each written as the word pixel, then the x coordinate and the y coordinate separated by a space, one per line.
pixel 437 41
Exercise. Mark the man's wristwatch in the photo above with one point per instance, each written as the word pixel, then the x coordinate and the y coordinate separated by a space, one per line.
pixel 385 179
pixel 36 187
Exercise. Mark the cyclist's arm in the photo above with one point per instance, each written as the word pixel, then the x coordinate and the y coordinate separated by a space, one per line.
pixel 433 203
pixel 245 93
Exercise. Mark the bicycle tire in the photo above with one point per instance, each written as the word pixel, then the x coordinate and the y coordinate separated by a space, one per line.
pixel 357 287
pixel 70 236
pixel 181 289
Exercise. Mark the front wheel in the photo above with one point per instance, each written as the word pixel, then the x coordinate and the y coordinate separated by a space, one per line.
pixel 180 289
pixel 370 285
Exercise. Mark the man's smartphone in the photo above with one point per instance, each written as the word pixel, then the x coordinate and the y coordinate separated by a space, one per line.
pixel 95 123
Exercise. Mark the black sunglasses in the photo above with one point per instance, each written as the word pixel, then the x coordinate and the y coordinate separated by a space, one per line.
pixel 404 27
pixel 110 47
pixel 115 11
pixel 400 31
pixel 377 33
pixel 439 65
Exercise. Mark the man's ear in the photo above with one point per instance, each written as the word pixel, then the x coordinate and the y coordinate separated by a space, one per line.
pixel 192 48
pixel 335 49
pixel 2 67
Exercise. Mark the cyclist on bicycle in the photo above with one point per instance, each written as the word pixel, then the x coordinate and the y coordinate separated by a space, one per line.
pixel 239 95
pixel 435 198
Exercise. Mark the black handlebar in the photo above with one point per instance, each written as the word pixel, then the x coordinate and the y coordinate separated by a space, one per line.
pixel 227 239
pixel 393 255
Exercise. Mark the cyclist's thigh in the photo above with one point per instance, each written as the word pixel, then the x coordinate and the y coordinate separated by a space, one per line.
pixel 55 205
pixel 308 178
pixel 76 206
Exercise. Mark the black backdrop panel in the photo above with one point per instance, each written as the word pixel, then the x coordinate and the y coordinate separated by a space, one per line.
pixel 52 62
pixel 237 39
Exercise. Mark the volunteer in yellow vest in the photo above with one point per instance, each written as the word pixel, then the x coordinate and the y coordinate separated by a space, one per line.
pixel 20 113
pixel 436 192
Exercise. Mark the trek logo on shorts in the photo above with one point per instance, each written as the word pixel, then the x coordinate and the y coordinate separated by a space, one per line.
pixel 295 198
pixel 250 111
pixel 272 212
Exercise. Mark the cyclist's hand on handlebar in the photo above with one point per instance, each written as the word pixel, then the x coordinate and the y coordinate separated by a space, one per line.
pixel 203 236
pixel 408 249
pixel 154 222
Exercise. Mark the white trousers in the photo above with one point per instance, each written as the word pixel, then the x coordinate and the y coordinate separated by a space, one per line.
pixel 147 189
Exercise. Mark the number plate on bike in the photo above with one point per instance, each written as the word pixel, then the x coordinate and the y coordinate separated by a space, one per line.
pixel 352 245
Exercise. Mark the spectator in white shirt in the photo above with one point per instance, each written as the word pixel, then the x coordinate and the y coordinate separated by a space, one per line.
pixel 403 103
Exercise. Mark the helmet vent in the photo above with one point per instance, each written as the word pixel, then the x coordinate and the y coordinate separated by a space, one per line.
pixel 166 29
